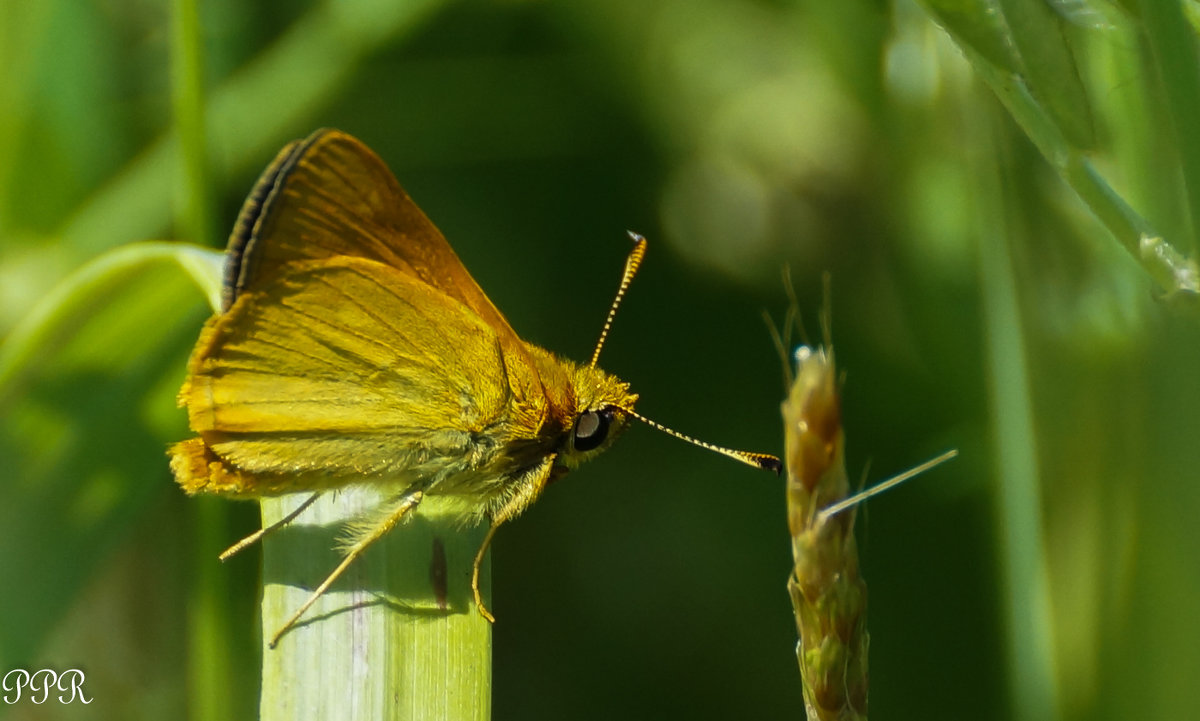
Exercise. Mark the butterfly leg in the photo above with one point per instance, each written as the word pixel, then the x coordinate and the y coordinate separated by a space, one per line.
pixel 487 541
pixel 253 537
pixel 530 487
pixel 406 503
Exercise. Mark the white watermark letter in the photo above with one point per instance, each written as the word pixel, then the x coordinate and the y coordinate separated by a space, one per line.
pixel 39 685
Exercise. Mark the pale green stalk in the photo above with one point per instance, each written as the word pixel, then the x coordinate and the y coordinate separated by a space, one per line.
pixel 397 637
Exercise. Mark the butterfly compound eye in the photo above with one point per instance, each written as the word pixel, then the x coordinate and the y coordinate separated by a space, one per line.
pixel 591 428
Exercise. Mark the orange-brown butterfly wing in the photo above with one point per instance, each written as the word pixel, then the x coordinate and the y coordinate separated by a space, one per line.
pixel 330 195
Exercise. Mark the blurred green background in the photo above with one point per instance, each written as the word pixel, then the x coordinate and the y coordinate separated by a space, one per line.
pixel 1047 573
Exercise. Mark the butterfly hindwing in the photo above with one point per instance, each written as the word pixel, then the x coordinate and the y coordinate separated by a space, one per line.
pixel 349 366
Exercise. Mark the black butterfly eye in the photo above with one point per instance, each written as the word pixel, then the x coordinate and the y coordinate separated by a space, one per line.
pixel 591 428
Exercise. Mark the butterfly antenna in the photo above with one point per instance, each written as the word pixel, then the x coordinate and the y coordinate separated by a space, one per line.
pixel 631 267
pixel 758 460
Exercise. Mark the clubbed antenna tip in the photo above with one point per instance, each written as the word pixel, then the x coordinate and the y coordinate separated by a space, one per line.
pixel 764 461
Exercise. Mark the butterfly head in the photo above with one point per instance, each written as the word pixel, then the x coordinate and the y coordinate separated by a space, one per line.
pixel 603 406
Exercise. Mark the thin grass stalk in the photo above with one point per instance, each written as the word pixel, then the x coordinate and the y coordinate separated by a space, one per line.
pixel 210 659
pixel 829 596
pixel 1022 545
pixel 193 210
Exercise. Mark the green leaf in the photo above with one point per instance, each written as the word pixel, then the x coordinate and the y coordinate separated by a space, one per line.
pixel 86 401
pixel 1049 68
pixel 979 25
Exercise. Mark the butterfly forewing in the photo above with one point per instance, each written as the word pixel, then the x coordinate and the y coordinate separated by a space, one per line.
pixel 332 196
